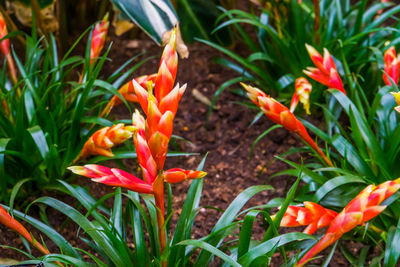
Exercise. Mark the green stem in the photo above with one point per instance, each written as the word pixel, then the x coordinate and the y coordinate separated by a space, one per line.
pixel 317 20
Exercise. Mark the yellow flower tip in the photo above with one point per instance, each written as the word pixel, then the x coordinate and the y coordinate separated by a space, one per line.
pixel 311 50
pixel 396 97
pixel 202 174
pixel 252 90
pixel 150 87
pixel 172 39
pixel 105 18
pixel 77 169
pixel 307 109
pixel 130 128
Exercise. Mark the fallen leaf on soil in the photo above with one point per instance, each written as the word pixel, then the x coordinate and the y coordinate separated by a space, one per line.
pixel 6 261
pixel 200 97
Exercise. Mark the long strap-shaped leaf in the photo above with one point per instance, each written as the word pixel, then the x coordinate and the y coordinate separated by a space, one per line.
pixel 271 244
pixel 91 229
pixel 155 17
pixel 226 219
pixel 183 225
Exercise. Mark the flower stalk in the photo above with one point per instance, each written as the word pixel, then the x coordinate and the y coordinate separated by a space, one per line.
pixel 11 223
pixel 151 136
pixel 280 114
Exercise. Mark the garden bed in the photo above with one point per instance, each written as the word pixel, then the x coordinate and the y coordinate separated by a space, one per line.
pixel 227 138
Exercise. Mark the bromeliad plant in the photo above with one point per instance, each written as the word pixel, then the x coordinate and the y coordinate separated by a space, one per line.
pixel 363 149
pixel 151 137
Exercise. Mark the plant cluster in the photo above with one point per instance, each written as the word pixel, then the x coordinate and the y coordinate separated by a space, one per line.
pixel 346 187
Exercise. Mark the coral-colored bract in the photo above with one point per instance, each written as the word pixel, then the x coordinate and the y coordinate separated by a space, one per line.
pixel 364 207
pixel 177 175
pixel 112 177
pixel 325 71
pixel 14 225
pixel 127 91
pixel 98 38
pixel 312 215
pixel 302 93
pixel 280 114
pixel 101 142
pixel 392 66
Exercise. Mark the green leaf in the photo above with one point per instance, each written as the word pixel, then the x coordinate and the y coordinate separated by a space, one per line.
pixel 210 249
pixel 40 140
pixel 141 252
pixel 334 183
pixel 3 181
pixel 155 17
pixel 392 250
pixel 245 232
pixel 267 246
pixel 279 215
pixel 227 218
pixel 94 232
pixel 184 225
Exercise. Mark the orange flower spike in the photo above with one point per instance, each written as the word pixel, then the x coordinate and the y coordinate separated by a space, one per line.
pixel 280 114
pixel 364 207
pixel 302 93
pixel 392 66
pixel 397 99
pixel 10 222
pixel 167 69
pixel 5 48
pixel 112 177
pixel 312 215
pixel 177 175
pixel 101 142
pixel 325 71
pixel 98 38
